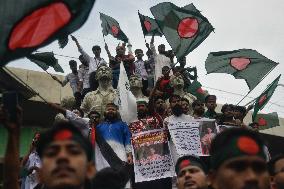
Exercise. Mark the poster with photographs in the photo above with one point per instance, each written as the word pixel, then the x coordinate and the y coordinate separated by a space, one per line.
pixel 207 132
pixel 193 137
pixel 151 154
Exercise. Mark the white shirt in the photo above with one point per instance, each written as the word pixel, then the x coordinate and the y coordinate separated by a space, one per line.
pixel 33 161
pixel 140 69
pixel 93 62
pixel 81 123
pixel 84 76
pixel 160 61
pixel 73 80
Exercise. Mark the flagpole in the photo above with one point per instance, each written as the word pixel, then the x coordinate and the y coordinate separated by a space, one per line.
pixel 60 55
pixel 243 98
pixel 172 66
pixel 25 84
pixel 255 86
pixel 250 102
pixel 52 76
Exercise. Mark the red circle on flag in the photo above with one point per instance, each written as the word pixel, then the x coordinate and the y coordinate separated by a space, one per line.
pixel 200 90
pixel 262 121
pixel 188 27
pixel 262 99
pixel 240 63
pixel 114 30
pixel 248 145
pixel 147 25
pixel 38 26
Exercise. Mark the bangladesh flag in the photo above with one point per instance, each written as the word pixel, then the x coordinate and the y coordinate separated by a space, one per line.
pixel 149 26
pixel 195 88
pixel 45 60
pixel 191 7
pixel 62 42
pixel 265 96
pixel 244 64
pixel 27 25
pixel 267 121
pixel 111 26
pixel 184 28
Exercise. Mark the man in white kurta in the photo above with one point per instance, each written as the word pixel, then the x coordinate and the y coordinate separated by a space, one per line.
pixel 160 59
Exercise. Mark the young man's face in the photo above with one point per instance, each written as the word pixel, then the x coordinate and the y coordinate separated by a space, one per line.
pixel 73 67
pixel 160 104
pixel 161 48
pixel 77 112
pixel 177 81
pixel 97 51
pixel 111 112
pixel 166 71
pixel 94 118
pixel 238 114
pixel 142 110
pixel 199 107
pixel 191 177
pixel 211 104
pixel 229 112
pixel 142 107
pixel 174 102
pixel 120 51
pixel 65 165
pixel 139 55
pixel 278 178
pixel 185 106
pixel 246 172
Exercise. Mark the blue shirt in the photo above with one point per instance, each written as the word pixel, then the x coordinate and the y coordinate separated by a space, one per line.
pixel 115 132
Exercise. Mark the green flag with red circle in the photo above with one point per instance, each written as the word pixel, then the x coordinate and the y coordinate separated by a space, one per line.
pixel 265 96
pixel 244 64
pixel 267 121
pixel 45 60
pixel 27 25
pixel 149 26
pixel 184 28
pixel 111 26
pixel 195 88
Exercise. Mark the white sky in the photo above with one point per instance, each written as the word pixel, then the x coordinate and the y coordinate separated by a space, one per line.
pixel 254 24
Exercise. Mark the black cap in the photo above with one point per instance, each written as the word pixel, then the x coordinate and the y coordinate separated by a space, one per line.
pixel 190 160
pixel 61 131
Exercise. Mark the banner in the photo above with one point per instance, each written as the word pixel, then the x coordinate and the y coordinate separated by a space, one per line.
pixel 125 100
pixel 193 137
pixel 151 154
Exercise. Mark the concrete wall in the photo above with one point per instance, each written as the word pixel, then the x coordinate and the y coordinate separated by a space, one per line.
pixel 43 84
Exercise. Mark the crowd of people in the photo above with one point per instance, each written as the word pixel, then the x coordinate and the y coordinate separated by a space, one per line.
pixel 89 146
